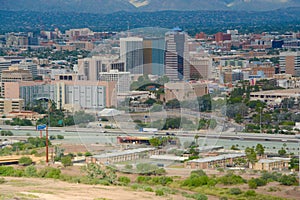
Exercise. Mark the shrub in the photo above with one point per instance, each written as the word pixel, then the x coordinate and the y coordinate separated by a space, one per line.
pixel 124 180
pixel 30 171
pixel 252 184
pixel 195 181
pixel 161 180
pixel 2 180
pixel 269 177
pixel 6 133
pixel 49 172
pixel 25 161
pixel 231 179
pixel 60 137
pixel 6 171
pixel 235 191
pixel 200 197
pixel 260 182
pixel 52 137
pixel 198 172
pixel 273 189
pixel 212 182
pixel 66 161
pixel 250 193
pixel 33 152
pixel 148 189
pixel 143 179
pixel 87 154
pixel 103 182
pixel 18 173
pixel 159 192
pixel 223 198
pixel 288 180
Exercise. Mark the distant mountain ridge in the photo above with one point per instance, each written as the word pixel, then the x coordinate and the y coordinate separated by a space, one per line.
pixel 111 6
pixel 281 20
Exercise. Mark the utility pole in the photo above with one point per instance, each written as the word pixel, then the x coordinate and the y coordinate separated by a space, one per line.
pixel 47 129
pixel 47 148
pixel 260 120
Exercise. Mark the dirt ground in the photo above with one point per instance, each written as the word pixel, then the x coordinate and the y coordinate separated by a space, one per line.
pixel 44 189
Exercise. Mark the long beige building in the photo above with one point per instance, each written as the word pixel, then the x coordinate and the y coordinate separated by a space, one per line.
pixel 275 96
pixel 272 164
pixel 69 95
pixel 214 161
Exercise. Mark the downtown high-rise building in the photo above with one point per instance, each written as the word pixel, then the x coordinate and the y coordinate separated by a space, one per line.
pixel 177 66
pixel 132 54
pixel 154 56
pixel 290 62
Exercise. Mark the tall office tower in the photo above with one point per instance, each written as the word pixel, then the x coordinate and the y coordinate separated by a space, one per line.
pixel 201 66
pixel 176 57
pixel 154 56
pixel 131 53
pixel 290 63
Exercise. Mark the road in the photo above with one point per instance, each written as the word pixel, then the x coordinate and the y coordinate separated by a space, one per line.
pixel 90 137
pixel 211 134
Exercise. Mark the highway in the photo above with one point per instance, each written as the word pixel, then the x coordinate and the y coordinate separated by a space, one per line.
pixel 201 134
pixel 95 136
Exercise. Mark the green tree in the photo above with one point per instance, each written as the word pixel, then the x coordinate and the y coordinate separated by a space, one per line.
pixel 251 155
pixel 213 123
pixel 282 152
pixel 156 142
pixel 294 164
pixel 172 104
pixel 260 150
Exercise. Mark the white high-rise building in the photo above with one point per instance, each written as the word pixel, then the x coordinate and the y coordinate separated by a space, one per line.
pixel 131 53
pixel 177 66
pixel 122 80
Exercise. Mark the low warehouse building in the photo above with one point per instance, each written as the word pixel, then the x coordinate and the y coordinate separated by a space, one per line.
pixel 272 164
pixel 122 156
pixel 214 161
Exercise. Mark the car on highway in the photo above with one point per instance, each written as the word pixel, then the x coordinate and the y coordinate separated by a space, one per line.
pixel 17 127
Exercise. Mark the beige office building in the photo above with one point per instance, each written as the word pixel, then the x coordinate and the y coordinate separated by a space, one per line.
pixel 11 105
pixel 290 63
pixel 185 91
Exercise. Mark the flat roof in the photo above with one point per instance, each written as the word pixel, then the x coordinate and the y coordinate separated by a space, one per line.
pixel 216 158
pixel 168 157
pixel 208 148
pixel 122 153
pixel 274 159
pixel 278 92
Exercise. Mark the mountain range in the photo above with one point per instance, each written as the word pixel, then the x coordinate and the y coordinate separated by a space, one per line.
pixel 111 6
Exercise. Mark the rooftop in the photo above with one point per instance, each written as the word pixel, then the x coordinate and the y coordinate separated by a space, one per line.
pixel 168 157
pixel 122 153
pixel 278 92
pixel 216 158
pixel 274 159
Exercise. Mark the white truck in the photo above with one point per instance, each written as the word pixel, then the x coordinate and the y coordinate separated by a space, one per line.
pixel 149 130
